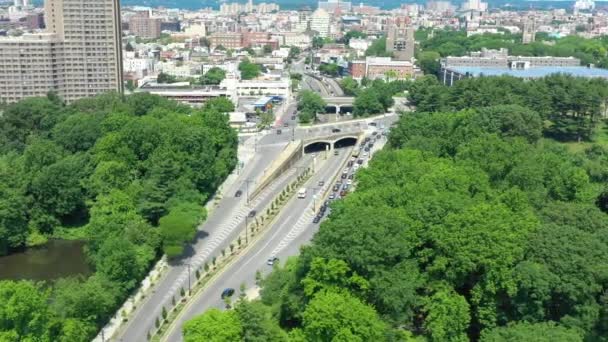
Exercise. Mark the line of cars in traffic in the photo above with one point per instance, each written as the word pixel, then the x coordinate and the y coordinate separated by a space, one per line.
pixel 344 185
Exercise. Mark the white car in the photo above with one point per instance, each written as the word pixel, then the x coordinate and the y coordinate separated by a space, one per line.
pixel 349 182
pixel 356 167
pixel 345 170
pixel 365 154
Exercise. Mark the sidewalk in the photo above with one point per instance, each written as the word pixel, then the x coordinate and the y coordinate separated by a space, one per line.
pixel 246 152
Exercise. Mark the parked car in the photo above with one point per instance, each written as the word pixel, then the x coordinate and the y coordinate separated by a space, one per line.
pixel 278 132
pixel 336 130
pixel 342 193
pixel 286 124
pixel 252 213
pixel 238 193
pixel 344 175
pixel 332 196
pixel 350 177
pixel 317 219
pixel 228 292
pixel 321 183
pixel 360 161
pixel 336 187
pixel 373 124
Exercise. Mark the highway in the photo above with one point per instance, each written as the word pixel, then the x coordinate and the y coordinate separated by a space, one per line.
pixel 224 223
pixel 291 229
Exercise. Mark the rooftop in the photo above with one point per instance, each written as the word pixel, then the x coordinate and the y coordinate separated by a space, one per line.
pixel 533 72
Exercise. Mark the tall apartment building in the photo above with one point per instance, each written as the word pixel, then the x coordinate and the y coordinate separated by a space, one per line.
pixel 143 26
pixel 319 22
pixel 78 56
pixel 529 31
pixel 400 38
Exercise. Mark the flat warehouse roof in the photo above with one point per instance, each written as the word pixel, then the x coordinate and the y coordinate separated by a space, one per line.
pixel 532 72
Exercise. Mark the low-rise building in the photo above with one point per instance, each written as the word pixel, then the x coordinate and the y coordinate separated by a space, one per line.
pixel 381 67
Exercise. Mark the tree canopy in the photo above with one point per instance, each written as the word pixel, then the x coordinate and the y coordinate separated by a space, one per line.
pixel 130 172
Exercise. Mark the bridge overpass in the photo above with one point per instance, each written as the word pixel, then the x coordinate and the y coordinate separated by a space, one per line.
pixel 340 105
pixel 331 141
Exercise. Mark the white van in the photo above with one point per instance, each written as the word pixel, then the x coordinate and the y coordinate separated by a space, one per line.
pixel 302 193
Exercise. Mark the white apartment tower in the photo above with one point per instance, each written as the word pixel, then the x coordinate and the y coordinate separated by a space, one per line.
pixel 319 22
pixel 79 55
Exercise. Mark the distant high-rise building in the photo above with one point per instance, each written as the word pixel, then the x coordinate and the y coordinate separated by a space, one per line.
pixel 529 31
pixel 332 6
pixel 78 56
pixel 319 22
pixel 400 38
pixel 143 26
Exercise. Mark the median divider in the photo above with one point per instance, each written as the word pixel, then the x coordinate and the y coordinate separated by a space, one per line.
pixel 205 275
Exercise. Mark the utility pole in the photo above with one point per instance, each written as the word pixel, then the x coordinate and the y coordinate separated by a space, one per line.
pixel 293 133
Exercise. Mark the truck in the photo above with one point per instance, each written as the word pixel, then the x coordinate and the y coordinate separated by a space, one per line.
pixel 302 193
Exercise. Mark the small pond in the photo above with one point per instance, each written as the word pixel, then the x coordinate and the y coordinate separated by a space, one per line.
pixel 56 259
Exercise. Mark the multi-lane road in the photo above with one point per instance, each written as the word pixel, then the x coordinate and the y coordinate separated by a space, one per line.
pixel 292 228
pixel 226 221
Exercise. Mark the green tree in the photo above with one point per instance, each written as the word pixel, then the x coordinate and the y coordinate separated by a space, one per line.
pixel 214 326
pixel 340 316
pixel 24 311
pixel 350 86
pixel 249 70
pixel 330 69
pixel 179 227
pixel 258 323
pixel 165 78
pixel 214 76
pixel 541 332
pixel 447 317
pixel 367 103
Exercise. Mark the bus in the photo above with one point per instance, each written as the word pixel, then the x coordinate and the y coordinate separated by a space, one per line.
pixel 302 193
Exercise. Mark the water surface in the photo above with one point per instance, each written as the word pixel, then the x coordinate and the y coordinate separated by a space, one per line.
pixel 56 259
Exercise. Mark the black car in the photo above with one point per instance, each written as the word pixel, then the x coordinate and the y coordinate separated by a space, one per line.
pixel 286 124
pixel 349 164
pixel 373 124
pixel 336 187
pixel 360 161
pixel 350 176
pixel 367 139
pixel 344 175
pixel 366 149
pixel 238 193
pixel 293 117
pixel 336 130
pixel 279 132
pixel 317 219
pixel 252 213
pixel 228 292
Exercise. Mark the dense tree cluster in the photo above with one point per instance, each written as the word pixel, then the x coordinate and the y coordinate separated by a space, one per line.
pixel 470 226
pixel 309 105
pixel 456 43
pixel 214 76
pixel 249 70
pixel 574 105
pixel 376 97
pixel 132 173
pixel 378 48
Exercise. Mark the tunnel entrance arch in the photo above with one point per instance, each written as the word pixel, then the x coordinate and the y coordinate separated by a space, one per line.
pixel 345 142
pixel 318 146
